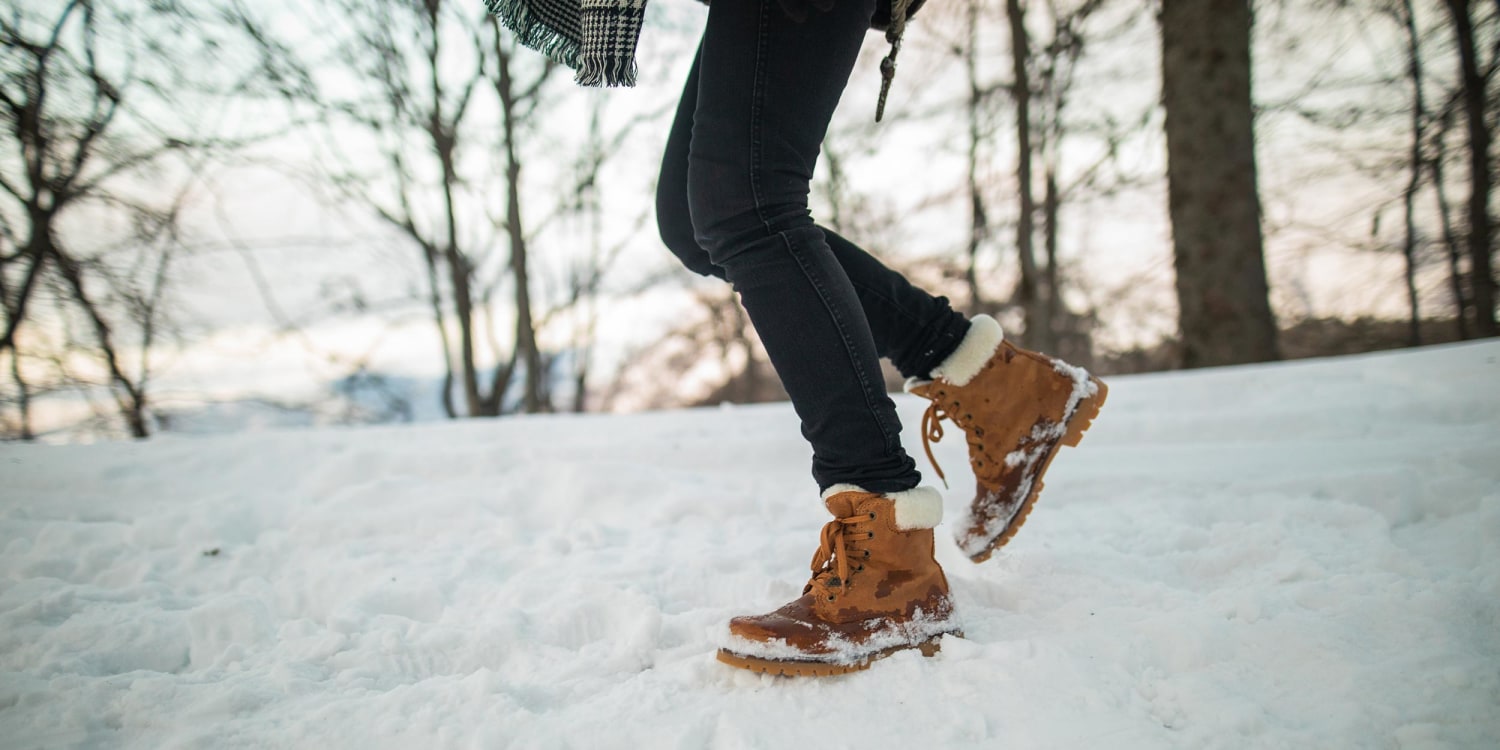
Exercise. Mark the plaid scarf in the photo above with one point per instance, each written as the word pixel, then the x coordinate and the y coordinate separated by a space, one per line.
pixel 596 38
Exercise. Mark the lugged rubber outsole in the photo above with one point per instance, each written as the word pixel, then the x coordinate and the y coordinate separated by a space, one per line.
pixel 808 668
pixel 1082 419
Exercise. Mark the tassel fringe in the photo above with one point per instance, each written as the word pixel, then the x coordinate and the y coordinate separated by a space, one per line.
pixel 566 48
pixel 606 72
pixel 516 16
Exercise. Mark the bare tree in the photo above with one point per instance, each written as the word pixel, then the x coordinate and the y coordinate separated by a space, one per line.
pixel 517 101
pixel 1042 78
pixel 1039 78
pixel 978 111
pixel 1478 108
pixel 1405 15
pixel 1039 82
pixel 1386 126
pixel 417 88
pixel 1436 158
pixel 585 283
pixel 1057 63
pixel 1027 294
pixel 97 115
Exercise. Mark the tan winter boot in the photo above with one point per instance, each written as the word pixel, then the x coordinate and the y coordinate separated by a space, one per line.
pixel 1016 407
pixel 875 590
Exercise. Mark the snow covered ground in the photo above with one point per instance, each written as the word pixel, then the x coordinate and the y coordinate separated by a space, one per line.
pixel 1303 555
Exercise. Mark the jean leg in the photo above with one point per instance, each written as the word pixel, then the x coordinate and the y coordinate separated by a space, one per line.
pixel 673 220
pixel 912 328
pixel 766 92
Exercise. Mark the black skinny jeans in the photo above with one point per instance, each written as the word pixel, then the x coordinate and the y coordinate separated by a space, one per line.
pixel 732 203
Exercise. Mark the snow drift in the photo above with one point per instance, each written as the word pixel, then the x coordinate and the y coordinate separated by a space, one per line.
pixel 1297 555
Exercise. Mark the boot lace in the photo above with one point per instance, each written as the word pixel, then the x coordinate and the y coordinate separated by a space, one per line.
pixel 932 430
pixel 838 544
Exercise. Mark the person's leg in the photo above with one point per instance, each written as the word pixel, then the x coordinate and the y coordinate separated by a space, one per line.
pixel 1012 404
pixel 766 91
pixel 911 328
pixel 673 220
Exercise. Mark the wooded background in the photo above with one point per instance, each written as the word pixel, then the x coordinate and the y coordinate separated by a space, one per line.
pixel 470 198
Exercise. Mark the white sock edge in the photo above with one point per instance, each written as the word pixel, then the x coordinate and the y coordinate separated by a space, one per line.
pixel 979 344
pixel 916 508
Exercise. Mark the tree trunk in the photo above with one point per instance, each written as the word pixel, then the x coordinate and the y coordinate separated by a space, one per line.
pixel 1414 181
pixel 23 397
pixel 460 271
pixel 1450 239
pixel 1020 52
pixel 435 300
pixel 460 277
pixel 1481 280
pixel 978 221
pixel 36 251
pixel 1221 277
pixel 581 384
pixel 130 398
pixel 1051 308
pixel 533 398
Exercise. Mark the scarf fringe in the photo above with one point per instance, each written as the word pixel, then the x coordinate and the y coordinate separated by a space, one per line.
pixel 564 48
pixel 607 72
pixel 516 16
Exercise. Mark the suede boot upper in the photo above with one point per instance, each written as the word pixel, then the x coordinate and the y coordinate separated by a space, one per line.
pixel 1015 407
pixel 875 585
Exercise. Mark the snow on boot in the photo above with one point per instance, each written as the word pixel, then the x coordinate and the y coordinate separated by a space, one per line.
pixel 1016 407
pixel 875 590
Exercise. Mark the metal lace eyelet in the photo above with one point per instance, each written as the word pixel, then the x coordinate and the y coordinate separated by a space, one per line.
pixel 869 535
pixel 830 597
pixel 867 554
pixel 872 515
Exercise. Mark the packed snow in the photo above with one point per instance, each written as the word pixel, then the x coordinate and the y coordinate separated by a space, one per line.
pixel 1299 555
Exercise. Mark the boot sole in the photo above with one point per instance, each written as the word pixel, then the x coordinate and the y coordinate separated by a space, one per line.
pixel 1082 419
pixel 809 668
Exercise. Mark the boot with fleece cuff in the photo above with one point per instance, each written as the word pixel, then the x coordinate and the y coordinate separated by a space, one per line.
pixel 875 589
pixel 1016 408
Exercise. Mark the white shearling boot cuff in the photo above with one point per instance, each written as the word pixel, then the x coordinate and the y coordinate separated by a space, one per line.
pixel 979 344
pixel 916 508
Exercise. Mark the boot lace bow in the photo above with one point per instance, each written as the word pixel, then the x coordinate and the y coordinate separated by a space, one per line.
pixel 839 543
